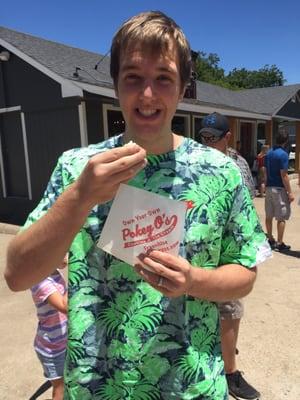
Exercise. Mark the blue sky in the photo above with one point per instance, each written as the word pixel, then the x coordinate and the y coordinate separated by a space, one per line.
pixel 243 33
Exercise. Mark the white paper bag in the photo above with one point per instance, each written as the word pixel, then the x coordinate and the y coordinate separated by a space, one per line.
pixel 139 221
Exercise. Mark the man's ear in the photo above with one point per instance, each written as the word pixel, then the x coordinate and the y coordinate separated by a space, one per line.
pixel 228 135
pixel 182 93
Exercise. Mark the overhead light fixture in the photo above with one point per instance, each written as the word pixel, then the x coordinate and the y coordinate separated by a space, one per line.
pixel 4 55
pixel 76 74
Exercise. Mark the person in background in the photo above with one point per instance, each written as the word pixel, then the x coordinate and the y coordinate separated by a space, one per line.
pixel 279 194
pixel 50 299
pixel 152 330
pixel 215 133
pixel 261 184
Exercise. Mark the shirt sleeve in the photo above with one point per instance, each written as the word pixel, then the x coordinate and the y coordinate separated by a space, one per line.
pixel 43 290
pixel 243 241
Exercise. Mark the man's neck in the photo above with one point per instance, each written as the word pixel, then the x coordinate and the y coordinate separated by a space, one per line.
pixel 165 145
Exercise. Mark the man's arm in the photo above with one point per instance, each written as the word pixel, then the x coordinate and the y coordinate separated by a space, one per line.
pixel 228 282
pixel 286 184
pixel 34 253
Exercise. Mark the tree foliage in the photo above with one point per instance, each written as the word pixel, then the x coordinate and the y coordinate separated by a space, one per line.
pixel 207 69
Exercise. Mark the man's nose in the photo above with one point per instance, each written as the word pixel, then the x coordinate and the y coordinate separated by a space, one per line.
pixel 148 89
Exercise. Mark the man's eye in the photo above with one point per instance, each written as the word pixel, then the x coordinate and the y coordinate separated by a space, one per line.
pixel 132 78
pixel 164 79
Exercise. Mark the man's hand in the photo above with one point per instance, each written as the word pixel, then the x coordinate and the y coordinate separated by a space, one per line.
pixel 169 274
pixel 174 276
pixel 104 172
pixel 291 197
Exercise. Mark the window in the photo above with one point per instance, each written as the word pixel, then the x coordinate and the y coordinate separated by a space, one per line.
pixel 197 127
pixel 180 125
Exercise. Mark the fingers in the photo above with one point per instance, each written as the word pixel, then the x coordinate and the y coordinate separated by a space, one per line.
pixel 158 281
pixel 168 260
pixel 126 161
pixel 169 274
pixel 157 268
pixel 124 156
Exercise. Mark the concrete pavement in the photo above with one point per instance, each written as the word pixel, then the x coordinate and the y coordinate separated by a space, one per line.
pixel 269 343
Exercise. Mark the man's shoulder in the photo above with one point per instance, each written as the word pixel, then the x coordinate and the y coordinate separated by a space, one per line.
pixel 83 153
pixel 277 151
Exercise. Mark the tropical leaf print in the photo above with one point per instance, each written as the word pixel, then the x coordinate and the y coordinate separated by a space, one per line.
pixel 86 297
pixel 205 389
pixel 128 386
pixel 79 321
pixel 158 344
pixel 74 391
pixel 84 374
pixel 75 351
pixel 81 245
pixel 121 270
pixel 201 340
pixel 77 273
pixel 131 310
pixel 192 364
pixel 154 367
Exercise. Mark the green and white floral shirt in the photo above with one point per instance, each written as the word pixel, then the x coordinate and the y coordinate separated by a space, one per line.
pixel 126 340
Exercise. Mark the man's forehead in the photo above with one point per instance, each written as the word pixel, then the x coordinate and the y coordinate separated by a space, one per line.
pixel 139 53
pixel 138 60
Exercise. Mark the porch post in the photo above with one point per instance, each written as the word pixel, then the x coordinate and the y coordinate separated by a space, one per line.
pixel 233 130
pixel 297 150
pixel 269 129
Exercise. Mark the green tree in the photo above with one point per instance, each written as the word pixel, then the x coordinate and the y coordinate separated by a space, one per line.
pixel 267 76
pixel 207 69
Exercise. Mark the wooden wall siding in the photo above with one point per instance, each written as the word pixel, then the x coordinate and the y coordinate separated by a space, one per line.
pixel 28 87
pixel 15 210
pixel 2 93
pixel 49 134
pixel 94 118
pixel 291 109
pixel 13 155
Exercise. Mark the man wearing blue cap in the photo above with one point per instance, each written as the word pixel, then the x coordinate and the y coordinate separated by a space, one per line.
pixel 215 133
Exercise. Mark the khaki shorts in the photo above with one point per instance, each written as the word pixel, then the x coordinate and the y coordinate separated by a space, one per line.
pixel 231 309
pixel 277 204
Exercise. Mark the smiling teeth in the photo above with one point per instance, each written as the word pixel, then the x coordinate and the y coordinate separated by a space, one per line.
pixel 147 113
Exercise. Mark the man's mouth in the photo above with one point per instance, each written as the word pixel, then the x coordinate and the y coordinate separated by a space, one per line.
pixel 147 113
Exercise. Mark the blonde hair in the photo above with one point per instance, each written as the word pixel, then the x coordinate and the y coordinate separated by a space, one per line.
pixel 264 148
pixel 153 32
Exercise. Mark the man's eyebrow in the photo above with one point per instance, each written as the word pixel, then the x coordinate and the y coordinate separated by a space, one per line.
pixel 135 67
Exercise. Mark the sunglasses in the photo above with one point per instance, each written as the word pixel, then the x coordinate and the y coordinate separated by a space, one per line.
pixel 211 138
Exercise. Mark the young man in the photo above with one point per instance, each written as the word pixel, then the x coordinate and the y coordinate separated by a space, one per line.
pixel 134 333
pixel 215 133
pixel 278 191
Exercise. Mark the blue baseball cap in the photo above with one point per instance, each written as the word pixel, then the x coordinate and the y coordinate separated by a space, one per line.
pixel 216 124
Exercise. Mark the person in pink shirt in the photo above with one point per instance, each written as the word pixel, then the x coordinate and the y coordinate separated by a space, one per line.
pixel 50 299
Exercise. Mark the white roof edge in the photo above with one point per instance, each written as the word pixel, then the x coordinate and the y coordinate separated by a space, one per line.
pixel 286 118
pixel 68 89
pixel 231 113
pixel 103 91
